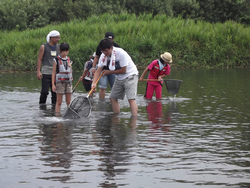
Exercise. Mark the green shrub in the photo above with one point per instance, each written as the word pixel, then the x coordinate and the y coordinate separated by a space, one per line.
pixel 193 44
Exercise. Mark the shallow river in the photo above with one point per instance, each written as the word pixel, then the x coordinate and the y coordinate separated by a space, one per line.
pixel 199 138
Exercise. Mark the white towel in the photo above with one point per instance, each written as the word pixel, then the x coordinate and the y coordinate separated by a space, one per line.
pixel 161 65
pixel 112 61
pixel 53 33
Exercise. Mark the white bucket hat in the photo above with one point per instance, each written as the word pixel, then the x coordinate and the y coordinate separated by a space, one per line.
pixel 167 57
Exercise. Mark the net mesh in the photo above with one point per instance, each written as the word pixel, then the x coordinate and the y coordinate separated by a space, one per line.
pixel 79 107
pixel 173 86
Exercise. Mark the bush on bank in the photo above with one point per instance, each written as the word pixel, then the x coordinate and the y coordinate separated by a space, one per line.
pixel 193 44
pixel 32 14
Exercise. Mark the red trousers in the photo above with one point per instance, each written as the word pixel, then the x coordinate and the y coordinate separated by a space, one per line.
pixel 151 89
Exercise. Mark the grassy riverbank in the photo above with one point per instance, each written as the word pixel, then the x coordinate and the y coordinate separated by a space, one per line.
pixel 192 44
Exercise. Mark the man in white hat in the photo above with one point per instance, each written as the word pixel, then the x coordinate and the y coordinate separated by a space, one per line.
pixel 158 69
pixel 46 55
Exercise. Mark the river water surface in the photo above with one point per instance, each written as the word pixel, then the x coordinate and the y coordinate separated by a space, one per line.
pixel 199 138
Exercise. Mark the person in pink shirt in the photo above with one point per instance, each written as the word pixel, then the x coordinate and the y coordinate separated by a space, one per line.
pixel 158 69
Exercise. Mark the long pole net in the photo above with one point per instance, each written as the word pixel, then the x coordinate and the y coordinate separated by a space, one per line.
pixel 80 106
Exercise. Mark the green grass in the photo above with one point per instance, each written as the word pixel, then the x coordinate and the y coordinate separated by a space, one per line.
pixel 192 44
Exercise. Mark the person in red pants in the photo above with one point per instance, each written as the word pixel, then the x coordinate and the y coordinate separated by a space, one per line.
pixel 158 69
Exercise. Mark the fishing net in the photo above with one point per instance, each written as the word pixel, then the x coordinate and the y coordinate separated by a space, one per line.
pixel 173 86
pixel 79 107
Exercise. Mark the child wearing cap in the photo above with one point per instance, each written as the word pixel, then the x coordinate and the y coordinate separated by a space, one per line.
pixel 158 69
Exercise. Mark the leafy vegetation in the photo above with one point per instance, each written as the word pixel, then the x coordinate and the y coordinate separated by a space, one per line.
pixel 193 43
pixel 31 14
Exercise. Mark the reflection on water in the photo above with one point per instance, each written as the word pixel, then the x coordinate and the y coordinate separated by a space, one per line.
pixel 200 138
pixel 56 150
pixel 157 116
pixel 114 140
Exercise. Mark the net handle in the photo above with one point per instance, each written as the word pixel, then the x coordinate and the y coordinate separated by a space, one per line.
pixel 76 86
pixel 95 84
pixel 150 80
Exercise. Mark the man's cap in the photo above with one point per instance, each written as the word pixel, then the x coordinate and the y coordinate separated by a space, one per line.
pixel 109 35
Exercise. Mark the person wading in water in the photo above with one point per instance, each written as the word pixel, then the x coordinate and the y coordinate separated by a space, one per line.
pixel 46 55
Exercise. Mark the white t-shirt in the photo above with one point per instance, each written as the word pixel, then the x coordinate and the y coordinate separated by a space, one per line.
pixel 124 60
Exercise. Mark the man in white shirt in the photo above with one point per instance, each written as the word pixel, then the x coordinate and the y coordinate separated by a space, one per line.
pixel 117 61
